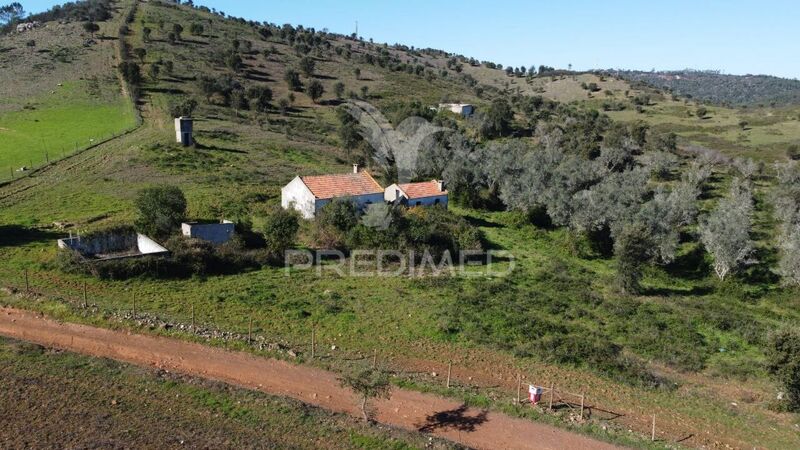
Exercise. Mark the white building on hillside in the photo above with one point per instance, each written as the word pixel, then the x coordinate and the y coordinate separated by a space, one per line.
pixel 465 109
pixel 426 193
pixel 308 194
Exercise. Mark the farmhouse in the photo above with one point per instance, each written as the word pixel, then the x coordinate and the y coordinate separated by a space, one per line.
pixel 308 194
pixel 426 193
pixel 465 109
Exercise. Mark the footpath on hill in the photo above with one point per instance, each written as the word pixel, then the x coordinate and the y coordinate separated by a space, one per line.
pixel 405 409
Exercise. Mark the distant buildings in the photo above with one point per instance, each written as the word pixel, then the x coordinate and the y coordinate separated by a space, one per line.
pixel 464 109
pixel 308 194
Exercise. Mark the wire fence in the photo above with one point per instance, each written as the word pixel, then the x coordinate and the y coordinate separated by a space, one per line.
pixel 191 321
pixel 38 160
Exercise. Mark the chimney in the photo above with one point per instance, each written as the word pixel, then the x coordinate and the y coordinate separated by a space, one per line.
pixel 355 168
pixel 440 185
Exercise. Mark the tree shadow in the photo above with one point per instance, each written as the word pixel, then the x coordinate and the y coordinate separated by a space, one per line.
pixel 15 235
pixel 454 419
pixel 690 266
pixel 200 146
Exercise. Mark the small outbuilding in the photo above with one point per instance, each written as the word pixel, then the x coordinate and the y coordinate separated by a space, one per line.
pixel 183 131
pixel 464 109
pixel 216 233
pixel 308 194
pixel 426 193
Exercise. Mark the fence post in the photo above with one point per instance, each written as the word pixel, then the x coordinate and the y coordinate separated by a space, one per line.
pixel 85 302
pixel 134 304
pixel 583 398
pixel 193 330
pixel 449 371
pixel 653 433
pixel 313 340
pixel 27 283
pixel 11 169
pixel 250 331
pixel 374 358
pixel 519 387
pixel 47 157
pixel 552 388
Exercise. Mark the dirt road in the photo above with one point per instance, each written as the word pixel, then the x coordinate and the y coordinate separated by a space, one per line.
pixel 406 409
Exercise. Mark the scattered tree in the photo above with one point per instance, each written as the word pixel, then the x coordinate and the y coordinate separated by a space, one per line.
pixel 161 209
pixel 140 53
pixel 307 65
pixel 338 89
pixel 292 79
pixel 177 29
pixel 368 384
pixel 91 28
pixel 315 90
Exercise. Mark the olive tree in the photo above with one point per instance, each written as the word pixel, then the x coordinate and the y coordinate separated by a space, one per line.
pixel 725 232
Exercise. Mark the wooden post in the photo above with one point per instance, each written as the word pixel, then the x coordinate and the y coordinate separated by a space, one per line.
pixel 11 169
pixel 193 330
pixel 375 358
pixel 313 340
pixel 653 433
pixel 134 305
pixel 449 371
pixel 27 283
pixel 47 157
pixel 552 388
pixel 519 387
pixel 250 331
pixel 583 399
pixel 85 302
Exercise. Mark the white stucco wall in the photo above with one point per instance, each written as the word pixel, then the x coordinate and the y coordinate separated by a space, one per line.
pixel 429 201
pixel 391 193
pixel 297 195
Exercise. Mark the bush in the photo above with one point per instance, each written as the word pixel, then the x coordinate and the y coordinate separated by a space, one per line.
pixel 280 232
pixel 784 364
pixel 161 210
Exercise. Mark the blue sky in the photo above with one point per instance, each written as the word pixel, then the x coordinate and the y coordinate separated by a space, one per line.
pixel 735 36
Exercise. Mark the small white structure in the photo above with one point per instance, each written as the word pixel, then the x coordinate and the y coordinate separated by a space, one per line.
pixel 464 109
pixel 308 194
pixel 113 246
pixel 183 131
pixel 426 193
pixel 216 233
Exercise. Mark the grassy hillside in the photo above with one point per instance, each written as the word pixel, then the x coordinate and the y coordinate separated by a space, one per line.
pixel 688 348
pixel 60 93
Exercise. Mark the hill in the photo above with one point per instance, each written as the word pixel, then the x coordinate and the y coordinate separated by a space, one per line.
pixel 721 89
pixel 551 170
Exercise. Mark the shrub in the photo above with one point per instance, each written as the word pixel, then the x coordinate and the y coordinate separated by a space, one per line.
pixel 784 364
pixel 280 232
pixel 161 210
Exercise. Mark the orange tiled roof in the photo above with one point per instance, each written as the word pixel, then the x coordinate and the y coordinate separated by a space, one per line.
pixel 342 185
pixel 423 189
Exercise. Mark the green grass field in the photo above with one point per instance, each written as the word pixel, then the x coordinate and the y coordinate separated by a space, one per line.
pixel 59 124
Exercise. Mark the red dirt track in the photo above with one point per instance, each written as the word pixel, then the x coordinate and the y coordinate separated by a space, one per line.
pixel 405 409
